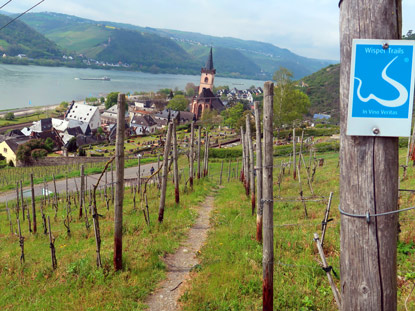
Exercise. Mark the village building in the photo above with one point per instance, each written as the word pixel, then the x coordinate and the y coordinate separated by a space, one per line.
pixel 206 100
pixel 8 148
pixel 109 116
pixel 141 125
pixel 86 117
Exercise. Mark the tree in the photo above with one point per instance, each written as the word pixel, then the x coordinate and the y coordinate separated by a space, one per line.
pixel 111 100
pixel 49 144
pixel 290 104
pixel 9 116
pixel 190 89
pixel 233 115
pixel 178 103
pixel 211 118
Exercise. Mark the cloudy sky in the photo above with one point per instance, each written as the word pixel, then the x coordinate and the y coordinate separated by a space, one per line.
pixel 306 27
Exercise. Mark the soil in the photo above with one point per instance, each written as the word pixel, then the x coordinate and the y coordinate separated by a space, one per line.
pixel 179 265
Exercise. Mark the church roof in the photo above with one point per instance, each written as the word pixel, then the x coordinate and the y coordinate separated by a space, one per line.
pixel 209 62
pixel 207 96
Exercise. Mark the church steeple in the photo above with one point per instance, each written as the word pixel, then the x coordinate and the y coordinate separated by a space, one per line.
pixel 209 62
pixel 207 74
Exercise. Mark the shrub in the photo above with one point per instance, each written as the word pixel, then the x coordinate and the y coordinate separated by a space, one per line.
pixel 9 116
pixel 38 153
pixel 225 153
pixel 81 152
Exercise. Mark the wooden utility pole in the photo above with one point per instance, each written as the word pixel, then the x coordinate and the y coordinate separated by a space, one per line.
pixel 191 154
pixel 167 146
pixel 119 182
pixel 251 162
pixel 175 165
pixel 368 175
pixel 258 173
pixel 267 202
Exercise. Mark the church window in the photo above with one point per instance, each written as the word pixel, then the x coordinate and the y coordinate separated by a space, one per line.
pixel 206 80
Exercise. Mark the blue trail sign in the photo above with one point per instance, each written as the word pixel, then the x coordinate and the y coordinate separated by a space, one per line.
pixel 381 88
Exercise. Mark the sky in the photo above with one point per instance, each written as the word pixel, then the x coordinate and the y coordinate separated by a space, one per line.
pixel 306 27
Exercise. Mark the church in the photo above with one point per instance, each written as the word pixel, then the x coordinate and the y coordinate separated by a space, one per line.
pixel 206 100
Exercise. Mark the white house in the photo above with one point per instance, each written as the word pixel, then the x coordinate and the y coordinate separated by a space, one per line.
pixel 85 116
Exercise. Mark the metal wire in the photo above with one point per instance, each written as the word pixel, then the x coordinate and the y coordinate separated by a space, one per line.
pixel 368 215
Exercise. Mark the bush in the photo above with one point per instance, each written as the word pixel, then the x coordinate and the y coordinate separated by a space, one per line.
pixel 284 134
pixel 9 116
pixel 39 153
pixel 81 152
pixel 225 153
pixel 285 150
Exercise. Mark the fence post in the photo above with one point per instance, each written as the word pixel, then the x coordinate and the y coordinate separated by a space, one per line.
pixel 175 166
pixel 267 201
pixel 258 173
pixel 199 141
pixel 191 154
pixel 32 189
pixel 368 175
pixel 119 183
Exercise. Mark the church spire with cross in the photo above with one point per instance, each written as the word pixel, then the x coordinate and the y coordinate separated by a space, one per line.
pixel 207 74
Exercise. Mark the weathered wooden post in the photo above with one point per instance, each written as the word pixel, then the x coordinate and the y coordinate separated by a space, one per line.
pixel 24 207
pixel 81 193
pixel 32 189
pixel 119 191
pixel 267 202
pixel 205 164
pixel 139 174
pixel 175 166
pixel 251 163
pixel 191 154
pixel 368 175
pixel 199 141
pixel 229 170
pixel 243 157
pixel 167 146
pixel 221 172
pixel 17 202
pixel 258 173
pixel 294 164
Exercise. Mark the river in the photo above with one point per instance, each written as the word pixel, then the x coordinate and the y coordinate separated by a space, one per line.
pixel 28 86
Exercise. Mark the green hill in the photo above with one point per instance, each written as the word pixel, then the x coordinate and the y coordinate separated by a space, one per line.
pixel 233 57
pixel 322 87
pixel 18 38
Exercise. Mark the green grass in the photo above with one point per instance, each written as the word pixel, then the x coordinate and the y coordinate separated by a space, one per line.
pixel 29 118
pixel 77 284
pixel 230 276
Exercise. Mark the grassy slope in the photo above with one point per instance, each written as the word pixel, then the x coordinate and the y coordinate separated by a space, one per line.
pixel 80 38
pixel 230 276
pixel 77 284
pixel 323 90
pixel 18 38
